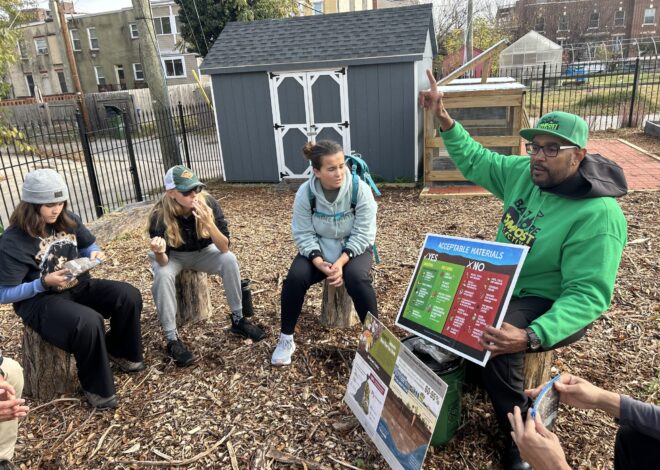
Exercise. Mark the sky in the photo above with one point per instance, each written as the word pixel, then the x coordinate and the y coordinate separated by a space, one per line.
pixel 96 6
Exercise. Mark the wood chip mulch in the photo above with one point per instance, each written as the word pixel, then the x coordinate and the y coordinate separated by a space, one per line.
pixel 232 410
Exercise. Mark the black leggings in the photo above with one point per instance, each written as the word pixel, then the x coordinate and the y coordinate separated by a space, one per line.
pixel 303 274
pixel 72 320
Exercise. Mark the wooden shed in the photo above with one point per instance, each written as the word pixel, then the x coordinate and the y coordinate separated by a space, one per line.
pixel 350 77
pixel 491 109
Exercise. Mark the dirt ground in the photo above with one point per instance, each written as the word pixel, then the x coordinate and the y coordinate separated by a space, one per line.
pixel 232 410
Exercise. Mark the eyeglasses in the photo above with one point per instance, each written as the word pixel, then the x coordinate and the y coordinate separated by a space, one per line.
pixel 196 190
pixel 550 150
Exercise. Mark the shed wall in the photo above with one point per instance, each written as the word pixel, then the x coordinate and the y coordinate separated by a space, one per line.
pixel 381 100
pixel 245 122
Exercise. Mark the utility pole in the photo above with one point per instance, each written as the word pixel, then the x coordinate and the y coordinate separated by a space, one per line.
pixel 468 32
pixel 155 78
pixel 73 67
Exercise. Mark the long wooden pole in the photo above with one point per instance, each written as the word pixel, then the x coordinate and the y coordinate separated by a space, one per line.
pixel 73 67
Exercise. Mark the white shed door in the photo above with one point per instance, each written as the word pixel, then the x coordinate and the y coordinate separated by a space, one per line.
pixel 307 106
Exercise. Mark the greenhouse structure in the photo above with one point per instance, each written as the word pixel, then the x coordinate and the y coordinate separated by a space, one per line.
pixel 525 57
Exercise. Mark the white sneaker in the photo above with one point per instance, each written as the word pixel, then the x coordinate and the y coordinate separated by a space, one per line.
pixel 282 354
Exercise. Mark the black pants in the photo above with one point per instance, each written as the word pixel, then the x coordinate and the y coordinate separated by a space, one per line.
pixel 503 375
pixel 635 451
pixel 303 274
pixel 73 321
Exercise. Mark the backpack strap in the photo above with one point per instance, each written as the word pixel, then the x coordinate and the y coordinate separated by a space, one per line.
pixel 312 199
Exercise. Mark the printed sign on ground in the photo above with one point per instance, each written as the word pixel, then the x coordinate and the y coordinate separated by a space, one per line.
pixel 459 286
pixel 396 398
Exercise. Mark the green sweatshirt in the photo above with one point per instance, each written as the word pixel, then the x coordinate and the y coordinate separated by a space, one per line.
pixel 575 244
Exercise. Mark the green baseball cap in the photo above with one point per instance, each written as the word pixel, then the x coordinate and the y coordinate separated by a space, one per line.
pixel 182 179
pixel 559 124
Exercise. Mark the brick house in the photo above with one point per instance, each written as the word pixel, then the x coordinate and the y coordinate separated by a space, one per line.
pixel 616 24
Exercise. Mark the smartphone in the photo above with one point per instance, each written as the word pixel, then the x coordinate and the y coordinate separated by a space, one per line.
pixel 546 404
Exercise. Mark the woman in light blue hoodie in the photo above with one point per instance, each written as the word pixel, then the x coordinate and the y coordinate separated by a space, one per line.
pixel 334 233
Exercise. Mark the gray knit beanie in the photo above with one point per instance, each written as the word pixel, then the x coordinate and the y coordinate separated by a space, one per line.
pixel 44 186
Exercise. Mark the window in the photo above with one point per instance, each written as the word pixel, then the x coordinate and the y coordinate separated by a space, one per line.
pixel 177 22
pixel 62 80
pixel 594 20
pixel 75 39
pixel 619 18
pixel 30 83
pixel 162 25
pixel 93 40
pixel 317 8
pixel 539 25
pixel 649 16
pixel 100 78
pixel 22 49
pixel 174 67
pixel 563 23
pixel 134 30
pixel 137 72
pixel 119 71
pixel 41 44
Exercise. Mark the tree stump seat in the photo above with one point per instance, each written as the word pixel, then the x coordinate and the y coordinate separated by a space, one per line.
pixel 192 297
pixel 49 372
pixel 337 308
pixel 537 368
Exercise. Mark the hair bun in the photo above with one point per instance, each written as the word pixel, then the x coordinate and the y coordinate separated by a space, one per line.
pixel 308 148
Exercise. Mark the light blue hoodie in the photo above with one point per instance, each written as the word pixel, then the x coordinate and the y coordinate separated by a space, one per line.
pixel 328 234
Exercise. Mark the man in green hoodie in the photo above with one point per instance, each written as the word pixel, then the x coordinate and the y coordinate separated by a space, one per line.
pixel 558 201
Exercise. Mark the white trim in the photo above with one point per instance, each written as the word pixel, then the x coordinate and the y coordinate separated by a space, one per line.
pixel 130 31
pixel 306 80
pixel 169 18
pixel 96 74
pixel 217 130
pixel 117 68
pixel 89 39
pixel 416 120
pixel 73 41
pixel 135 72
pixel 212 70
pixel 27 84
pixel 174 57
pixel 41 50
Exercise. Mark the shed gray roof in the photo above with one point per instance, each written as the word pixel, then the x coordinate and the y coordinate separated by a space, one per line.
pixel 307 42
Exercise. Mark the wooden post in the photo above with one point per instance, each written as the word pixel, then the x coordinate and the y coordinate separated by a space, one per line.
pixel 193 298
pixel 49 372
pixel 337 308
pixel 537 368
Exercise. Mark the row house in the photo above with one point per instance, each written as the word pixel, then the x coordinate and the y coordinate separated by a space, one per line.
pixel 585 21
pixel 107 50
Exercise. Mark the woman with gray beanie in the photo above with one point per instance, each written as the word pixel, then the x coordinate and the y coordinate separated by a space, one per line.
pixel 67 311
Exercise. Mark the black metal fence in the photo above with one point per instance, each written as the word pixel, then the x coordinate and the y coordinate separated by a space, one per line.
pixel 108 168
pixel 607 94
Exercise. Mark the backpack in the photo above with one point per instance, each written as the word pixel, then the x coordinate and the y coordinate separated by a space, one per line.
pixel 359 171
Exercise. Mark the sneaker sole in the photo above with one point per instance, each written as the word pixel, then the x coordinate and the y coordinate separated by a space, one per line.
pixel 280 364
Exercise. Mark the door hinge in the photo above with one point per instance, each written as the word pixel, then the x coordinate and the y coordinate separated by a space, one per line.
pixel 344 124
pixel 342 71
pixel 277 126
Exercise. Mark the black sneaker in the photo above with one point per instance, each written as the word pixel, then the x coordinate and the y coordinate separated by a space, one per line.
pixel 6 465
pixel 179 352
pixel 101 403
pixel 247 330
